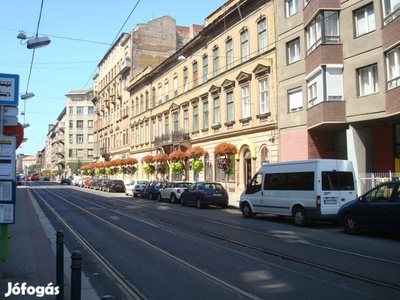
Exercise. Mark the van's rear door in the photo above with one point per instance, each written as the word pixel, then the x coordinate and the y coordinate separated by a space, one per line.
pixel 338 185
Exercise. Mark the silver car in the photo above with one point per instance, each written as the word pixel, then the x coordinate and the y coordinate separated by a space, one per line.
pixel 172 191
pixel 134 187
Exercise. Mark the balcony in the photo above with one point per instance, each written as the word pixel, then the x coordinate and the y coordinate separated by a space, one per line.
pixel 327 115
pixel 60 151
pixel 104 153
pixel 124 66
pixel 172 138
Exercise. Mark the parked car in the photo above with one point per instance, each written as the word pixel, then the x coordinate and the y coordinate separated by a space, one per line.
pixel 46 178
pixel 377 209
pixel 88 183
pixel 205 193
pixel 81 182
pixel 114 185
pixel 99 185
pixel 94 183
pixel 172 191
pixel 66 181
pixel 151 189
pixel 134 187
pixel 75 180
pixel 33 177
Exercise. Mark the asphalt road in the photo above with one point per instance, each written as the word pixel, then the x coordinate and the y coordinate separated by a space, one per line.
pixel 165 251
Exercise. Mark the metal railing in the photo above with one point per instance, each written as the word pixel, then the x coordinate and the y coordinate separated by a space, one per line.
pixel 368 180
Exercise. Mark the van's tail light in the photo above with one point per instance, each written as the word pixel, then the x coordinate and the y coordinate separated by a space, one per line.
pixel 178 191
pixel 318 202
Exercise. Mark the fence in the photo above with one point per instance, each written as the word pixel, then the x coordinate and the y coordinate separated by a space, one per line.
pixel 369 180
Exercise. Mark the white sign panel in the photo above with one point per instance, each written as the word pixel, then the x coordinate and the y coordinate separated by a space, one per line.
pixel 9 89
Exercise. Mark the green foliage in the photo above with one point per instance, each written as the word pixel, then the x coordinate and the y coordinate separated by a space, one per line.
pixel 108 171
pixel 197 165
pixel 97 172
pixel 176 167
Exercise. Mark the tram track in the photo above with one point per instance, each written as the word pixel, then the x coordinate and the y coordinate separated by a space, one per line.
pixel 118 207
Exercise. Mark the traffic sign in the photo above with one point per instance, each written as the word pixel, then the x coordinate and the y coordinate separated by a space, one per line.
pixel 10 121
pixel 11 111
pixel 17 131
pixel 9 89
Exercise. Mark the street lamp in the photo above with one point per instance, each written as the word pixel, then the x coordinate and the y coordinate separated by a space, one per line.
pixel 34 41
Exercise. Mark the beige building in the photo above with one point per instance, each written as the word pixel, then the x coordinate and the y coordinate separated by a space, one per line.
pixel 220 86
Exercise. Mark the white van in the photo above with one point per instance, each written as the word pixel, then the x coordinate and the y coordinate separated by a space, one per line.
pixel 305 189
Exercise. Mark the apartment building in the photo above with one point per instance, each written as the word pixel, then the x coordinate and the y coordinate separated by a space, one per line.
pixel 144 48
pixel 220 86
pixel 338 81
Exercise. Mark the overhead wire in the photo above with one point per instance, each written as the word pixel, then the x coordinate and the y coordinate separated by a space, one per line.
pixel 116 37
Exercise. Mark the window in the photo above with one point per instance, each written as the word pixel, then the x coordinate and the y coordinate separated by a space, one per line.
pixel 153 131
pixel 205 68
pixel 364 20
pixel 70 153
pixel 79 110
pixel 334 83
pixel 293 50
pixel 217 112
pixel 175 117
pixel 230 114
pixel 90 110
pixel 71 124
pixel 195 118
pixel 245 102
pixel 391 10
pixel 141 103
pixel 262 36
pixel 79 138
pixel 185 80
pixel 368 80
pixel 215 61
pixel 175 85
pixel 71 110
pixel 90 123
pixel 292 7
pixel 166 92
pixel 326 32
pixel 295 99
pixel 393 68
pixel 166 125
pixel 159 93
pixel 263 90
pixel 186 121
pixel 195 74
pixel 312 94
pixel 205 115
pixel 153 104
pixel 244 40
pixel 79 153
pixel 71 138
pixel 229 54
pixel 79 124
pixel 160 128
pixel 90 138
pixel 90 152
pixel 146 105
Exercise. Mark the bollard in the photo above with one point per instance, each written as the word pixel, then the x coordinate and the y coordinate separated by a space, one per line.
pixel 60 263
pixel 108 297
pixel 76 266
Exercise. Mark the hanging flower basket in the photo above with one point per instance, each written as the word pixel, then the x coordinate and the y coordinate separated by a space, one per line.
pixel 161 158
pixel 195 152
pixel 177 155
pixel 225 149
pixel 176 167
pixel 196 165
pixel 148 159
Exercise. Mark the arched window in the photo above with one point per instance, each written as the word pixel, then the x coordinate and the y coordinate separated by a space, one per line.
pixel 264 155
pixel 207 168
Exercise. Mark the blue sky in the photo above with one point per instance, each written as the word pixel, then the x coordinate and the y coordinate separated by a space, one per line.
pixel 81 32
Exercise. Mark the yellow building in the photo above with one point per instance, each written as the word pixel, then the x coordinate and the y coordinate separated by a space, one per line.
pixel 219 87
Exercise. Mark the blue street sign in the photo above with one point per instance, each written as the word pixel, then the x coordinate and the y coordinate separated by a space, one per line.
pixel 9 89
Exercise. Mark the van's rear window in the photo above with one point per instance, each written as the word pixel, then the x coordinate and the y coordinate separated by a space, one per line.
pixel 335 181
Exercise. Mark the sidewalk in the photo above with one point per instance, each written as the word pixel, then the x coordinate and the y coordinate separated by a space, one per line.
pixel 32 254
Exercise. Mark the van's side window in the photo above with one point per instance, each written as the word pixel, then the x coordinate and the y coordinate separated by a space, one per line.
pixel 255 184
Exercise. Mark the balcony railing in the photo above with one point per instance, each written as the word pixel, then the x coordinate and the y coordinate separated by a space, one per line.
pixel 171 138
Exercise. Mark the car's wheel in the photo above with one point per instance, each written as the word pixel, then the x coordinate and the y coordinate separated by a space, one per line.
pixel 299 216
pixel 183 203
pixel 150 196
pixel 246 211
pixel 173 198
pixel 199 204
pixel 159 198
pixel 351 225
